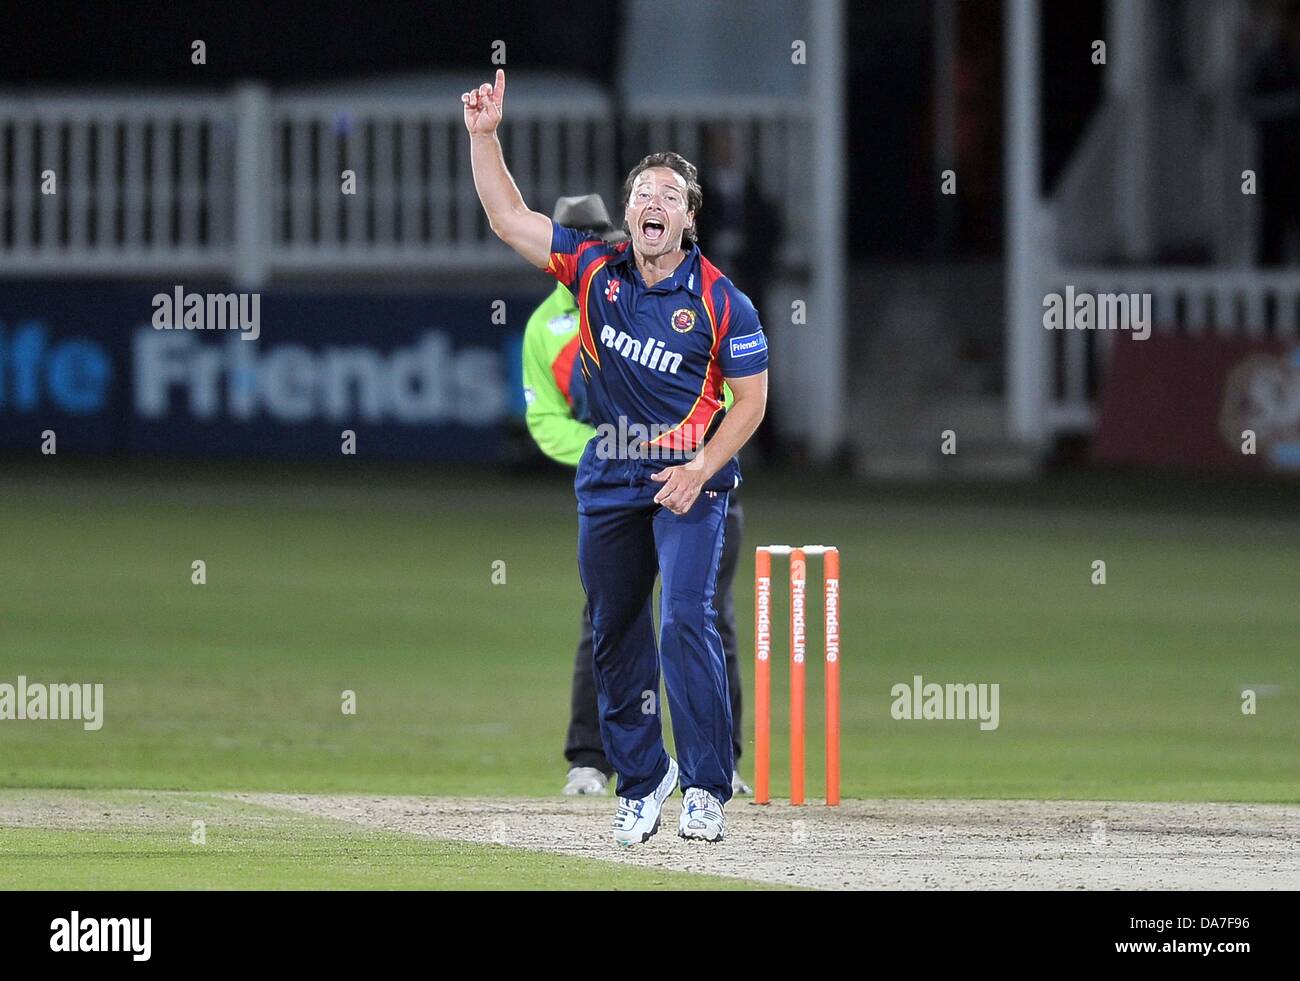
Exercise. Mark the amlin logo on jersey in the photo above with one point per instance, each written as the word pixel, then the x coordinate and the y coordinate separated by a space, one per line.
pixel 653 353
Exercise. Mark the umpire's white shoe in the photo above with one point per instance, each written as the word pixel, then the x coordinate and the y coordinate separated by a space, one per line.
pixel 636 820
pixel 701 816
pixel 584 781
pixel 738 786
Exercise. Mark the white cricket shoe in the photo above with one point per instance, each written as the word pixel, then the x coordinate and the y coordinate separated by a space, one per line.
pixel 738 786
pixel 636 820
pixel 585 781
pixel 701 816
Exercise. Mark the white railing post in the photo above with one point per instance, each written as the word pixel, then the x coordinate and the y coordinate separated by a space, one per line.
pixel 1026 341
pixel 1131 83
pixel 250 259
pixel 827 390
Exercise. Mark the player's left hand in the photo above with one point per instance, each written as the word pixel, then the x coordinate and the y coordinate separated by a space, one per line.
pixel 681 486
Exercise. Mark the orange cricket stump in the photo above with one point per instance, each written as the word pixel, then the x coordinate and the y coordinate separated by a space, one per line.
pixel 798 650
pixel 762 672
pixel 831 575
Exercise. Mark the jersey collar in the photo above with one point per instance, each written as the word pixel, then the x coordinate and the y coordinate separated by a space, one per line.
pixel 686 276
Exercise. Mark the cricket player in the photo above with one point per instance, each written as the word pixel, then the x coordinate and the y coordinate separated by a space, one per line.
pixel 660 328
pixel 555 395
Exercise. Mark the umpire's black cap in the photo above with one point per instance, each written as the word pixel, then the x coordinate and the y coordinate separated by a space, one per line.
pixel 587 212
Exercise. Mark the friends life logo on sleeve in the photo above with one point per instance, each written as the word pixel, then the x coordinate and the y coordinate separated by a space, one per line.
pixel 749 345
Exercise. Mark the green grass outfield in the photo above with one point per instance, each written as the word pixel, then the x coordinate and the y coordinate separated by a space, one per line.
pixel 149 841
pixel 380 581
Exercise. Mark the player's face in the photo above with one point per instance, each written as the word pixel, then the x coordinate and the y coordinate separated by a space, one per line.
pixel 656 211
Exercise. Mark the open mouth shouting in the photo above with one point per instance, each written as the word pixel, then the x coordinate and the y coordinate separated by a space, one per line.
pixel 653 229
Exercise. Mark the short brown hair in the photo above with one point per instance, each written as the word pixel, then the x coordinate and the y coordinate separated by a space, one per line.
pixel 688 172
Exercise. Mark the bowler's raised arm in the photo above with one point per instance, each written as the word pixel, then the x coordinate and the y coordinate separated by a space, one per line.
pixel 525 231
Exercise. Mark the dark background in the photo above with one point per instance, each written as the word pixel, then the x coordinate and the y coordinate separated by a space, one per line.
pixel 888 49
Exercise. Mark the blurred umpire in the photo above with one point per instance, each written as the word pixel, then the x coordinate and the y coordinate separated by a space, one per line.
pixel 556 399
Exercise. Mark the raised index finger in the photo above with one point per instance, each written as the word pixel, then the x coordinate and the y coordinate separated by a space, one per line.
pixel 499 89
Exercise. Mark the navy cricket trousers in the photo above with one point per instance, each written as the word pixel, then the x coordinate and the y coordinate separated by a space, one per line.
pixel 624 540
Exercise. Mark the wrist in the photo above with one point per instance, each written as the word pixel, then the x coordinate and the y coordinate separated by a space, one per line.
pixel 700 464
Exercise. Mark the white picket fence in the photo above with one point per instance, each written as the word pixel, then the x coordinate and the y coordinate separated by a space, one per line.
pixel 248 184
pixel 1242 303
pixel 139 183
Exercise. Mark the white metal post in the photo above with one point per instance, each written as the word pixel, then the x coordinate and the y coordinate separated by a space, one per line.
pixel 252 192
pixel 827 94
pixel 1132 86
pixel 1026 339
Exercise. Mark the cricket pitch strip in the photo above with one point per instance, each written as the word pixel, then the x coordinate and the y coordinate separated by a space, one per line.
pixel 883 844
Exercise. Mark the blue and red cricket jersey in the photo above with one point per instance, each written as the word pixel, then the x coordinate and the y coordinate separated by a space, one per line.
pixel 657 356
